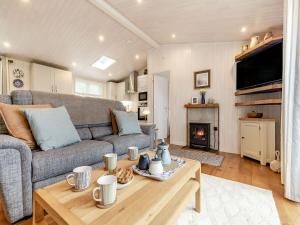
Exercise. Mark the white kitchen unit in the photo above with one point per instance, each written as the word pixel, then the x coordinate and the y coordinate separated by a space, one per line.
pixel 49 79
pixel 258 139
pixel 111 90
pixel 142 83
pixel 121 91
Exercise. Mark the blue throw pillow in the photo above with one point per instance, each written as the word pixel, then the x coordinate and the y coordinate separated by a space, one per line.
pixel 127 123
pixel 52 127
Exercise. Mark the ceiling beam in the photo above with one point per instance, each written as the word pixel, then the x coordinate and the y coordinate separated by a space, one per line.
pixel 109 10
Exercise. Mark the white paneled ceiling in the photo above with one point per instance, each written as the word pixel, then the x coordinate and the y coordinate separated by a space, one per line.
pixel 201 20
pixel 65 31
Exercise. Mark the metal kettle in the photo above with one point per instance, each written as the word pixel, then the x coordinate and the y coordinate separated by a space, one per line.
pixel 163 152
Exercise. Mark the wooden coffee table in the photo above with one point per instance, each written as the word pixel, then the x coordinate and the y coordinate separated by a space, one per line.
pixel 145 201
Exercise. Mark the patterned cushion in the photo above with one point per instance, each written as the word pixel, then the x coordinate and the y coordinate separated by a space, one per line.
pixel 7 100
pixel 22 98
pixel 121 143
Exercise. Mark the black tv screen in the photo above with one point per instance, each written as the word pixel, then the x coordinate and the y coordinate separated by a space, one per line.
pixel 262 68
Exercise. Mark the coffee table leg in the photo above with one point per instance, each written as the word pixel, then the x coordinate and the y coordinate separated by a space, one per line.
pixel 38 212
pixel 197 194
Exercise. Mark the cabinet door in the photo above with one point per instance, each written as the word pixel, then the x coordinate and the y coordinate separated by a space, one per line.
pixel 42 78
pixel 121 91
pixel 250 139
pixel 111 89
pixel 63 81
pixel 143 83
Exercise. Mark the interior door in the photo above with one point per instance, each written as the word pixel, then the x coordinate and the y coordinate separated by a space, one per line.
pixel 42 78
pixel 250 142
pixel 63 81
pixel 161 105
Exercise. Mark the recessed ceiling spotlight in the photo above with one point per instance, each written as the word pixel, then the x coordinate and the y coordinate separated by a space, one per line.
pixel 74 64
pixel 137 56
pixel 25 1
pixel 110 74
pixel 101 38
pixel 6 44
pixel 173 36
pixel 244 29
pixel 139 1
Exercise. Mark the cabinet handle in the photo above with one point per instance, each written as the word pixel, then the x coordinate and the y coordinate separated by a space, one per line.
pixel 243 137
pixel 52 90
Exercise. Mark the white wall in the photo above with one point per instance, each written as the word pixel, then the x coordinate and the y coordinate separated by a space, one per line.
pixel 182 61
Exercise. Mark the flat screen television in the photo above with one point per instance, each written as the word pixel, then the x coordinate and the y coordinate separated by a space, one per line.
pixel 264 67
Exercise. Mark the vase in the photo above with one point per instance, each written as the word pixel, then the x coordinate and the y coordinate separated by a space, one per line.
pixel 203 98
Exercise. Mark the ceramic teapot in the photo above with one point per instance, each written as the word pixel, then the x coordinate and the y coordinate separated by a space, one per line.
pixel 163 152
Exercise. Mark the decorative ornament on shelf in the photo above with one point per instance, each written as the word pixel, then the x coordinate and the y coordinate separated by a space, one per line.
pixel 195 100
pixel 254 41
pixel 202 93
pixel 268 35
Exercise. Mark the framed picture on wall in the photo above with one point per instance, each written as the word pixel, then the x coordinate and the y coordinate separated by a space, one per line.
pixel 202 79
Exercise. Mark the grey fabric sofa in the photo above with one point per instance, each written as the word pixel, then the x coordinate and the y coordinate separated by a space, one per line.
pixel 22 170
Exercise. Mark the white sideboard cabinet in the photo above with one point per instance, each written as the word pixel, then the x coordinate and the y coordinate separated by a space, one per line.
pixel 49 79
pixel 258 139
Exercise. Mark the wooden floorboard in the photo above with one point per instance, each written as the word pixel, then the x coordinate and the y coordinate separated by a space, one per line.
pixel 245 171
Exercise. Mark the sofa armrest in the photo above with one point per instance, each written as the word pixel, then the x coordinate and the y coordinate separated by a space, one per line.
pixel 149 129
pixel 15 178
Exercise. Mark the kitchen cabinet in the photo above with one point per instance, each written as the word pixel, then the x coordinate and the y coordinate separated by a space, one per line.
pixel 49 79
pixel 142 83
pixel 111 90
pixel 258 139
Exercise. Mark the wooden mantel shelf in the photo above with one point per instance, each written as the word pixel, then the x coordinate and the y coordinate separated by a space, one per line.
pixel 195 106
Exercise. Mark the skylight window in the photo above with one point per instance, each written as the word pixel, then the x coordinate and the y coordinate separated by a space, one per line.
pixel 103 63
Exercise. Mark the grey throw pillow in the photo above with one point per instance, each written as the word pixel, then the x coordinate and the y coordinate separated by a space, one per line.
pixel 52 127
pixel 127 123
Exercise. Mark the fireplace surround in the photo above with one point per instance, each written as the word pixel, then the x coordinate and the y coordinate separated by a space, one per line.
pixel 200 135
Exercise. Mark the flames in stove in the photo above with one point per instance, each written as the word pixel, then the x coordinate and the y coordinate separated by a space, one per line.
pixel 200 133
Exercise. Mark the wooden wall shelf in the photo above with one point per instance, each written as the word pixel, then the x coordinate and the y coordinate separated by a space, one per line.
pixel 263 89
pixel 276 101
pixel 259 47
pixel 194 106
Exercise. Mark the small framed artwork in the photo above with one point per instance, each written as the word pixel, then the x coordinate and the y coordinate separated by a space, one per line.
pixel 202 79
pixel 195 100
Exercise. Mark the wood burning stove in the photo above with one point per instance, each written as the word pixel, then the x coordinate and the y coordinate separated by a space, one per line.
pixel 200 135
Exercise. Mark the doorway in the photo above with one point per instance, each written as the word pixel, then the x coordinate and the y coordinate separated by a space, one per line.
pixel 161 104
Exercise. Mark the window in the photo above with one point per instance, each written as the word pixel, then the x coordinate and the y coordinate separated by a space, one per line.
pixel 89 88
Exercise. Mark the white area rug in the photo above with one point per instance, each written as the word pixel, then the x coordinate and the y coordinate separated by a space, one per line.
pixel 226 202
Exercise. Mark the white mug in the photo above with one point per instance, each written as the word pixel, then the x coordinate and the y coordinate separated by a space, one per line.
pixel 82 177
pixel 107 190
pixel 110 161
pixel 133 153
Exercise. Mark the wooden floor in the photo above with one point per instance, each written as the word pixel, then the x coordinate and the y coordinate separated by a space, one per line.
pixel 245 171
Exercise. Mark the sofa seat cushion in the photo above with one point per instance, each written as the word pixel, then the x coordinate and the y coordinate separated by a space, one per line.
pixel 121 143
pixel 54 162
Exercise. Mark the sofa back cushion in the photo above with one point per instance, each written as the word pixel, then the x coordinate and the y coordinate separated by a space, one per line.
pixel 84 133
pixel 7 100
pixel 82 110
pixel 52 128
pixel 16 122
pixel 101 130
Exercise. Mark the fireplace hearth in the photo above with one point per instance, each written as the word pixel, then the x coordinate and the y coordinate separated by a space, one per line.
pixel 200 135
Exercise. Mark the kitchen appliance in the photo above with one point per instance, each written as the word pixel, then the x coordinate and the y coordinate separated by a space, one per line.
pixel 142 106
pixel 131 83
pixel 143 96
